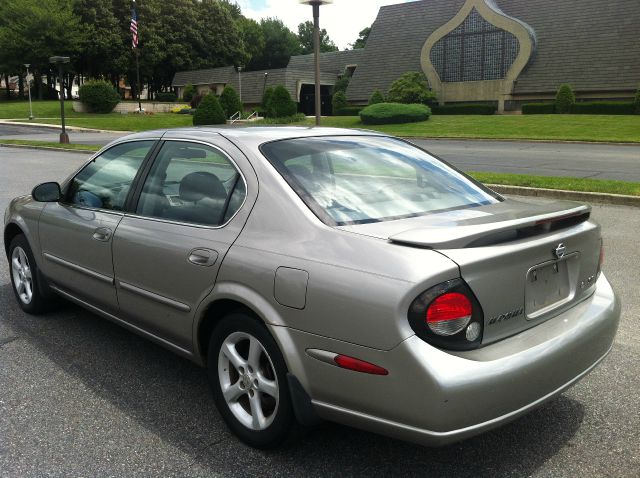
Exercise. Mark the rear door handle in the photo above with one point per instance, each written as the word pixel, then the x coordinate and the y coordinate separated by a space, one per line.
pixel 203 257
pixel 102 234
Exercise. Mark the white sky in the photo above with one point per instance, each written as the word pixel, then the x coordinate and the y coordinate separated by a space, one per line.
pixel 343 19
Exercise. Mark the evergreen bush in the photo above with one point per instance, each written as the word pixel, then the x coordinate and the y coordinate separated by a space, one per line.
pixel 266 100
pixel 339 101
pixel 166 96
pixel 411 88
pixel 565 99
pixel 636 101
pixel 464 109
pixel 209 111
pixel 376 97
pixel 188 92
pixel 280 104
pixel 230 101
pixel 99 96
pixel 394 113
pixel 603 108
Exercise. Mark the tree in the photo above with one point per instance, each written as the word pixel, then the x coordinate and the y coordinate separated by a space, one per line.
pixel 565 99
pixel 188 92
pixel 280 44
pixel 209 111
pixel 31 31
pixel 305 37
pixel 376 97
pixel 341 84
pixel 266 100
pixel 252 38
pixel 338 102
pixel 230 101
pixel 361 41
pixel 411 87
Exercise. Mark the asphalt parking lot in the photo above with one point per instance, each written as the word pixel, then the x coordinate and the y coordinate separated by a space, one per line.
pixel 79 396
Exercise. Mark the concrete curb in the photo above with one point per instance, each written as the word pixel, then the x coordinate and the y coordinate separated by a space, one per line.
pixel 69 128
pixel 47 148
pixel 605 198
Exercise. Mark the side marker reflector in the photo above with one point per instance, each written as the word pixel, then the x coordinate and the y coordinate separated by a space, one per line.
pixel 358 365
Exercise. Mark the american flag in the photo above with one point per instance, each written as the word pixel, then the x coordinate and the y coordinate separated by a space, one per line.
pixel 134 27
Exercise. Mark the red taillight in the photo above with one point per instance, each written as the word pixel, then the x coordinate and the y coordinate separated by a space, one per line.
pixel 449 313
pixel 358 365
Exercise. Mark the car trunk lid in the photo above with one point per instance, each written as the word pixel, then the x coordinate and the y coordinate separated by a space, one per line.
pixel 524 262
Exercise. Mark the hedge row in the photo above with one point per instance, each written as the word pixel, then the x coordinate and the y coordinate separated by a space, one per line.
pixel 585 108
pixel 394 113
pixel 464 109
pixel 538 109
pixel 348 111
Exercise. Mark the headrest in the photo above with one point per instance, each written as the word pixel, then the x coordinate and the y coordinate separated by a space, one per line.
pixel 199 185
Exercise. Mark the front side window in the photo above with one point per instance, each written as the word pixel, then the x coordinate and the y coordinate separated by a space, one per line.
pixel 363 179
pixel 192 183
pixel 105 182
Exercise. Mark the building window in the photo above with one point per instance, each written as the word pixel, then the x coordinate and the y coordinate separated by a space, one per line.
pixel 476 50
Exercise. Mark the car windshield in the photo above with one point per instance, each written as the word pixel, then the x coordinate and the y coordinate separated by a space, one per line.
pixel 364 179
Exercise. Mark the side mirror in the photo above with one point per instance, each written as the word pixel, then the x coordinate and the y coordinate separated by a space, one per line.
pixel 47 192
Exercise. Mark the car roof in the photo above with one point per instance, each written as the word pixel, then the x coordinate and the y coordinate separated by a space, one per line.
pixel 253 134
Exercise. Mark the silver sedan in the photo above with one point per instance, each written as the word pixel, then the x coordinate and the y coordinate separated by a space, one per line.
pixel 324 274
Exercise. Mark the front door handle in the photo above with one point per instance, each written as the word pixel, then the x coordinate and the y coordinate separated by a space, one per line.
pixel 203 257
pixel 102 234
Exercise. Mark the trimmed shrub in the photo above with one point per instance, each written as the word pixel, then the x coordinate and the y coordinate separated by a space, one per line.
pixel 636 101
pixel 376 97
pixel 603 108
pixel 167 96
pixel 348 111
pixel 464 109
pixel 538 108
pixel 266 100
pixel 280 104
pixel 230 101
pixel 296 118
pixel 339 101
pixel 393 113
pixel 411 88
pixel 195 100
pixel 565 98
pixel 187 111
pixel 99 96
pixel 188 92
pixel 209 112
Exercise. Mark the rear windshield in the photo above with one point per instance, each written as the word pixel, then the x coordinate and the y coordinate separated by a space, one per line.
pixel 364 179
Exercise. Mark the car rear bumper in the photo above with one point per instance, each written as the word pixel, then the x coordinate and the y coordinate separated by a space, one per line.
pixel 435 397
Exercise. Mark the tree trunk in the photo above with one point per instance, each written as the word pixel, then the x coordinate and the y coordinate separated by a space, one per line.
pixel 21 86
pixel 70 77
pixel 6 83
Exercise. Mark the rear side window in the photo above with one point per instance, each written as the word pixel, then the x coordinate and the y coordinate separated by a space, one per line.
pixel 192 183
pixel 364 179
pixel 105 182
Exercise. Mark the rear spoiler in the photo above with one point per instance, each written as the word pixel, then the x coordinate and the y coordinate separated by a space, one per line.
pixel 477 235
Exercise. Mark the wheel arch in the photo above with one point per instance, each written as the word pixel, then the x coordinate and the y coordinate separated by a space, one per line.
pixel 11 230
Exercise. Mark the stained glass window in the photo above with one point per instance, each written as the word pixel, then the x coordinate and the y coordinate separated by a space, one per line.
pixel 475 50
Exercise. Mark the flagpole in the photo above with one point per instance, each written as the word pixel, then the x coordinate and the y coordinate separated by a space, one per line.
pixel 138 86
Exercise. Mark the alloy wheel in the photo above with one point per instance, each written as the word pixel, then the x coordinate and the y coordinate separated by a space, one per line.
pixel 21 274
pixel 248 380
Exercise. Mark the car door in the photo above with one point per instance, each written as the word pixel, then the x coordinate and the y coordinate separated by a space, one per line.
pixel 189 209
pixel 76 233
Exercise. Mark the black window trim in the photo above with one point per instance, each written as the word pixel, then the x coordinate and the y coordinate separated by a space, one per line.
pixel 148 158
pixel 146 169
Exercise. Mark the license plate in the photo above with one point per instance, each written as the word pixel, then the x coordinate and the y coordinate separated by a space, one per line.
pixel 547 287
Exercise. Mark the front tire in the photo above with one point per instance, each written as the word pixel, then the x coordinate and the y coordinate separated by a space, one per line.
pixel 25 277
pixel 248 377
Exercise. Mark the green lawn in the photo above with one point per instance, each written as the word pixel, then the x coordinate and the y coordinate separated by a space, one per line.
pixel 552 182
pixel 610 128
pixel 48 144
pixel 527 127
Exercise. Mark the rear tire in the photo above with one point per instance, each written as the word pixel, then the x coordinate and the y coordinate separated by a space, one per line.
pixel 26 278
pixel 248 377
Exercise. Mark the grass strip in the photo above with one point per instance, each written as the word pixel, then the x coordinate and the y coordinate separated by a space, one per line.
pixel 553 182
pixel 50 144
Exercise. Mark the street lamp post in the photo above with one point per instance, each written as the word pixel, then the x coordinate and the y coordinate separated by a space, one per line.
pixel 60 61
pixel 240 82
pixel 27 65
pixel 316 48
